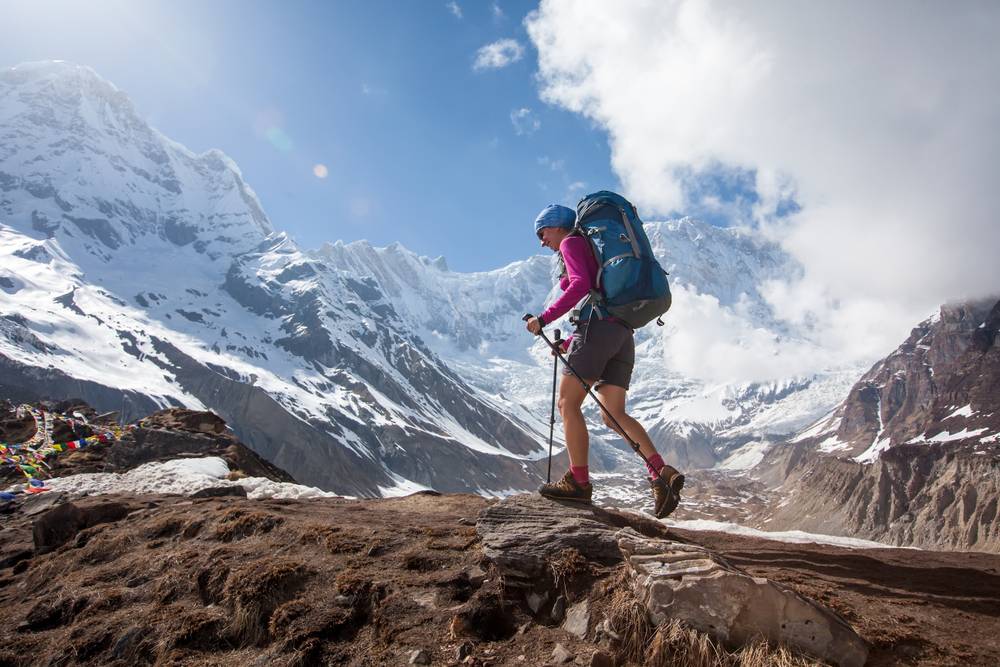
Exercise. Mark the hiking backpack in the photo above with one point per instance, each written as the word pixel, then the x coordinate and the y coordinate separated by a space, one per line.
pixel 631 285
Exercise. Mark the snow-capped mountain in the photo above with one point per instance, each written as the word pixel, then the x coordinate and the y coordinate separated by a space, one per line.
pixel 136 274
pixel 132 267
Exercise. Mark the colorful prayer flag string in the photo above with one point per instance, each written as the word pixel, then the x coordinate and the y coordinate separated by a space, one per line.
pixel 29 456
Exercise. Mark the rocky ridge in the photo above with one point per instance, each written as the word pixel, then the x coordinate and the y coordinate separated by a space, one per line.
pixel 922 430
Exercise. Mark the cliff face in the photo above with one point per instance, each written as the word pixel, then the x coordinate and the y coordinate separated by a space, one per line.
pixel 941 496
pixel 940 385
pixel 922 428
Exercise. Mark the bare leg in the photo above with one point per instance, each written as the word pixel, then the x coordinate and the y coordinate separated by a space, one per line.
pixel 613 399
pixel 571 396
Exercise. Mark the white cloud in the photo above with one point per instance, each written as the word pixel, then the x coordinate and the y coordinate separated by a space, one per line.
pixel 574 192
pixel 498 54
pixel 704 339
pixel 525 121
pixel 454 9
pixel 497 11
pixel 878 118
pixel 554 165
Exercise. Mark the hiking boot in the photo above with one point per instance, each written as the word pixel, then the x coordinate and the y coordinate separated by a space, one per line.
pixel 666 491
pixel 567 489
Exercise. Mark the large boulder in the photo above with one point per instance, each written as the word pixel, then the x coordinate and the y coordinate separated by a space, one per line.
pixel 521 534
pixel 688 582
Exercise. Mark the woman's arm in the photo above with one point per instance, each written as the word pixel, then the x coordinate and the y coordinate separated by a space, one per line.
pixel 580 277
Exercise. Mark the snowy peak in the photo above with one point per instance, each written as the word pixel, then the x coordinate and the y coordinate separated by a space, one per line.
pixel 97 172
pixel 727 263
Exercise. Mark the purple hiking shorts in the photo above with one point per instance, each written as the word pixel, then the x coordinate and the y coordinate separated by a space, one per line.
pixel 603 350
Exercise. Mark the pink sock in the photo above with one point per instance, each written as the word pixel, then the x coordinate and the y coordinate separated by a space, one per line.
pixel 655 465
pixel 581 474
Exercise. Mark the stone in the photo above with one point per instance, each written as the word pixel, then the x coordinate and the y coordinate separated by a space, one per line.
pixel 463 651
pixel 687 582
pixel 601 659
pixel 476 575
pixel 536 600
pixel 578 619
pixel 419 657
pixel 558 609
pixel 606 630
pixel 521 534
pixel 59 525
pixel 560 655
pixel 40 503
pixel 196 421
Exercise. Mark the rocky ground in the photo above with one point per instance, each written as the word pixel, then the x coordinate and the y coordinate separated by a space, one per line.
pixel 376 582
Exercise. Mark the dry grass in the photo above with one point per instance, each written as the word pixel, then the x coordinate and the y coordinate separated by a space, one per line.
pixel 627 617
pixel 237 524
pixel 674 643
pixel 255 590
pixel 567 565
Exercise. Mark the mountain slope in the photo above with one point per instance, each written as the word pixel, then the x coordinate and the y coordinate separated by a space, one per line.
pixel 922 430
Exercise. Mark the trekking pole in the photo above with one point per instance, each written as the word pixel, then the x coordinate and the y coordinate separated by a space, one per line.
pixel 552 416
pixel 632 443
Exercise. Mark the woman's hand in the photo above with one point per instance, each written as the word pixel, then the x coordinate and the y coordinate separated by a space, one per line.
pixel 534 326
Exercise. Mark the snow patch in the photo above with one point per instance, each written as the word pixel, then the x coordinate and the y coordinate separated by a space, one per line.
pixel 823 425
pixel 179 476
pixel 745 457
pixel 401 487
pixel 945 436
pixel 872 453
pixel 964 411
pixel 832 444
pixel 792 536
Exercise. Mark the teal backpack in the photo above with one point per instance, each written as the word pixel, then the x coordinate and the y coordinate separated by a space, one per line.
pixel 631 285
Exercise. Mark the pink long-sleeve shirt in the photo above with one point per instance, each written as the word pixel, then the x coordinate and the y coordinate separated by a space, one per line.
pixel 580 278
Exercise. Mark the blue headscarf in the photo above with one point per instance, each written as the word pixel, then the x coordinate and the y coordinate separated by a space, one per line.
pixel 555 215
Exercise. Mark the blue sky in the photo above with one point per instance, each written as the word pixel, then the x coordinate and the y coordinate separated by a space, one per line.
pixel 420 147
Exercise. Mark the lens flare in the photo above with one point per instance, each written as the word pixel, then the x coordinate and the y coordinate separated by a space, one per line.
pixel 279 139
pixel 320 171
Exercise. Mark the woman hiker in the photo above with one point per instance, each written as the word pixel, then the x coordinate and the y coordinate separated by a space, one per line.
pixel 602 351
